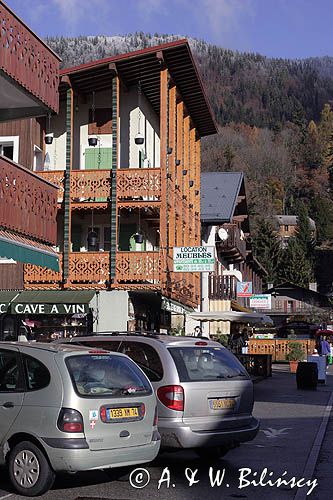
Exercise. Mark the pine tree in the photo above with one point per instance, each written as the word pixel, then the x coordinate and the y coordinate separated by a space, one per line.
pixel 322 212
pixel 303 232
pixel 268 250
pixel 295 267
pixel 312 149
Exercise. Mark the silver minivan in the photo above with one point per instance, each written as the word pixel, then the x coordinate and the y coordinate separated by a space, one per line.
pixel 71 408
pixel 204 394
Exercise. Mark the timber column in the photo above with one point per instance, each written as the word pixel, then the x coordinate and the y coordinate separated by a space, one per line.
pixel 164 244
pixel 67 187
pixel 113 194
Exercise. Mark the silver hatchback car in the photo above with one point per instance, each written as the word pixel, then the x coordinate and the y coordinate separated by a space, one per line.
pixel 71 408
pixel 204 394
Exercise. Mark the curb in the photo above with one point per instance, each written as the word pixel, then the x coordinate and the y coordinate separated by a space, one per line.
pixel 314 453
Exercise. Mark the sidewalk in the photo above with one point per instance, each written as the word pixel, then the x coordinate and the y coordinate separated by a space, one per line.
pixel 290 421
pixel 323 471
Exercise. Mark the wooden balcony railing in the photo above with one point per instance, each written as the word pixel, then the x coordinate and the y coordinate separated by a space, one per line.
pixel 92 269
pixel 95 185
pixel 28 204
pixel 27 60
pixel 234 247
pixel 134 183
pixel 222 287
pixel 136 267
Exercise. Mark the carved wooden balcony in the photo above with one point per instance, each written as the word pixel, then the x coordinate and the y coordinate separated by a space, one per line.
pixel 92 270
pixel 28 204
pixel 234 247
pixel 27 60
pixel 137 186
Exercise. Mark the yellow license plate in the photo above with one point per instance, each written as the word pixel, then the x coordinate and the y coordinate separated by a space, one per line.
pixel 222 404
pixel 115 413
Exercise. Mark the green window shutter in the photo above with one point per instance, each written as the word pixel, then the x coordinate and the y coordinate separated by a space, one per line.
pixel 98 158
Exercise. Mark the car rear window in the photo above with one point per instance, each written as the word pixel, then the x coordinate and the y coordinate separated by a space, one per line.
pixel 107 375
pixel 205 364
pixel 145 357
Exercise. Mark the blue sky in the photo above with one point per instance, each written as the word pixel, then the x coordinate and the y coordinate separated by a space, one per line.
pixel 277 28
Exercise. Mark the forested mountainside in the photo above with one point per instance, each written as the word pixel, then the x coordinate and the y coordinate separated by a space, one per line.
pixel 242 87
pixel 274 116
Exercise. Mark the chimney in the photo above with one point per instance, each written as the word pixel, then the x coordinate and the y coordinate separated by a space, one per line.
pixel 313 287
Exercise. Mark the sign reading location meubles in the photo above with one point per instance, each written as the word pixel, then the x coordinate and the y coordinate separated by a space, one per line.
pixel 193 259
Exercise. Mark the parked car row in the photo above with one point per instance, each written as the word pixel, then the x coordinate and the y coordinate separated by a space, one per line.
pixel 106 401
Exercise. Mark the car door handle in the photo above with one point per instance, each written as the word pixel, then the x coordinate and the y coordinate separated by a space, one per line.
pixel 8 404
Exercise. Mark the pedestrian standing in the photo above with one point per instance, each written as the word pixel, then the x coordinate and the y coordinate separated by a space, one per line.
pixel 325 348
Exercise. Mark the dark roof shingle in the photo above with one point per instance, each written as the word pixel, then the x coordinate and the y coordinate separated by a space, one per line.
pixel 219 192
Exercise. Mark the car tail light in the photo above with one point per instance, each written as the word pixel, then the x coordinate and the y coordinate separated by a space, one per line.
pixel 155 418
pixel 98 351
pixel 70 420
pixel 103 414
pixel 201 343
pixel 143 410
pixel 172 396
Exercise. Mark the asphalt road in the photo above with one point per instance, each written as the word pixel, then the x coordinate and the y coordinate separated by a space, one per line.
pixel 290 420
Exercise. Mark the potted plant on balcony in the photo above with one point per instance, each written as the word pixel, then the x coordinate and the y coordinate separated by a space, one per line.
pixel 294 355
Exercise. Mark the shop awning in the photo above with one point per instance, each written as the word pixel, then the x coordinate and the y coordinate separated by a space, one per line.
pixel 234 316
pixel 51 302
pixel 23 249
pixel 174 307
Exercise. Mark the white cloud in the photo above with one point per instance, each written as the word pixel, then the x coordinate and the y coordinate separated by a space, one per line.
pixel 75 11
pixel 224 16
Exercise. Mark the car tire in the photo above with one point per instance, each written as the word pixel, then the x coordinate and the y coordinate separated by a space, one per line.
pixel 29 471
pixel 213 453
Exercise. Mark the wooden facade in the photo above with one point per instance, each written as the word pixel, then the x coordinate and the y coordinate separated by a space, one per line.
pixel 29 79
pixel 30 133
pixel 165 197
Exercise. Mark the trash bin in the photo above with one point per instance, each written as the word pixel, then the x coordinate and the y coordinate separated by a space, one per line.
pixel 307 376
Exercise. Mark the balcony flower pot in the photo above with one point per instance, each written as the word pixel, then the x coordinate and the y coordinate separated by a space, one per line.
pixel 93 140
pixel 294 355
pixel 49 138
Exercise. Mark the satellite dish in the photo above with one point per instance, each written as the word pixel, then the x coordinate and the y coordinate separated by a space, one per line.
pixel 223 234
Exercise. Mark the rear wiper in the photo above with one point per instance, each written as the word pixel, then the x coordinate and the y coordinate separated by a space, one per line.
pixel 237 375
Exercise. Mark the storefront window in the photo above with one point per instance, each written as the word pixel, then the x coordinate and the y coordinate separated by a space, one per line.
pixel 9 328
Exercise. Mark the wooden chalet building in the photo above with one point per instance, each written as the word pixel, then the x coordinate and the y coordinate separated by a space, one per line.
pixel 29 80
pixel 125 155
pixel 225 226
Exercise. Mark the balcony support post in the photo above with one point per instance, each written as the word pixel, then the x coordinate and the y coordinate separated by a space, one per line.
pixel 163 163
pixel 113 193
pixel 67 187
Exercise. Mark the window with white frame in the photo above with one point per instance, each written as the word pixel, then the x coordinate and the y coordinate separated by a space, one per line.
pixel 9 147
